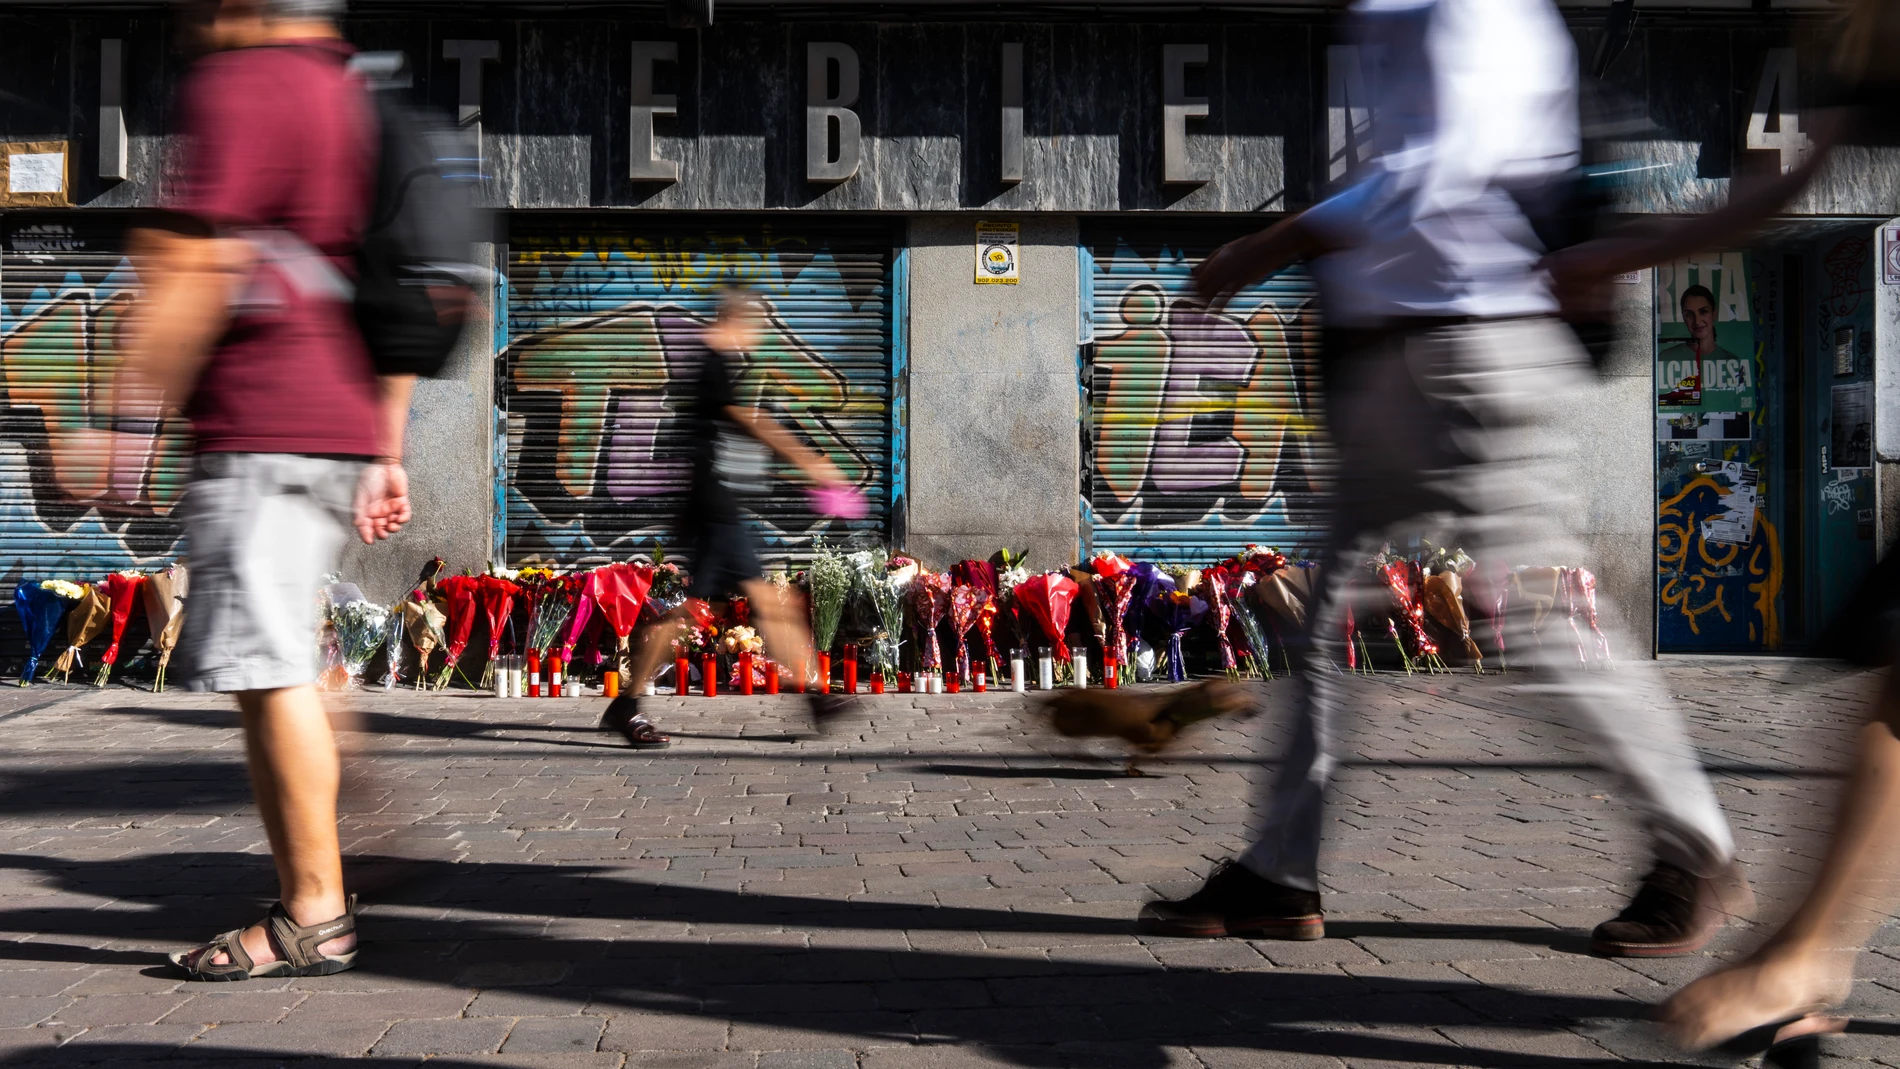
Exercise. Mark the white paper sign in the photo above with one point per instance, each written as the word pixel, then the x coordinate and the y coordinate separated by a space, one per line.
pixel 996 254
pixel 1736 526
pixel 36 172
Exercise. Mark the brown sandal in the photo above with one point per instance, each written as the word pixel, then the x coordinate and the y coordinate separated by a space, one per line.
pixel 296 946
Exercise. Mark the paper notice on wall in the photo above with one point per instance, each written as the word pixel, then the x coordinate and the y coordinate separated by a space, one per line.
pixel 996 253
pixel 36 172
pixel 1735 526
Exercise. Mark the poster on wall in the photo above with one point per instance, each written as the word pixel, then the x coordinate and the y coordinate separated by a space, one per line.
pixel 1717 553
pixel 1852 416
pixel 1705 385
pixel 996 253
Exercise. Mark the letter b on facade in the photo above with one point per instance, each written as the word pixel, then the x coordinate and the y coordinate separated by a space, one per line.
pixel 826 112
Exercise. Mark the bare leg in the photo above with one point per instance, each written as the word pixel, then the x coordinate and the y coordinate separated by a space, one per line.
pixel 787 639
pixel 1808 964
pixel 295 773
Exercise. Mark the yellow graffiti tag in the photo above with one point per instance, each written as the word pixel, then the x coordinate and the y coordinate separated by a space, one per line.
pixel 1691 567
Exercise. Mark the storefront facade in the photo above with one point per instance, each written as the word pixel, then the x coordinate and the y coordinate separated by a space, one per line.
pixel 974 237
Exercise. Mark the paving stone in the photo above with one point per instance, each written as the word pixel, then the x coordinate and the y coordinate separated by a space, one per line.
pixel 553 1035
pixel 468 1035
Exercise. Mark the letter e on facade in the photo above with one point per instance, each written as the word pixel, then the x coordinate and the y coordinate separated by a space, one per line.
pixel 1176 109
pixel 645 163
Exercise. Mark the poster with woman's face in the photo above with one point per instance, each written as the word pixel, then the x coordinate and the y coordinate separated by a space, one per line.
pixel 1705 371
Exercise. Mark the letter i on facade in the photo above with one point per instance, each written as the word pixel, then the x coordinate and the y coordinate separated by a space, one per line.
pixel 114 156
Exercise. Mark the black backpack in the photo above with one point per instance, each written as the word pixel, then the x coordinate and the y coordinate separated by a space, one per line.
pixel 416 271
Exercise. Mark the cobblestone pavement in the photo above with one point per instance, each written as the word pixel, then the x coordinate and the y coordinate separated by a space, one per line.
pixel 935 884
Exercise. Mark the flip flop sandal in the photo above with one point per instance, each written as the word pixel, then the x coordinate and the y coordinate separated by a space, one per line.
pixel 295 944
pixel 642 735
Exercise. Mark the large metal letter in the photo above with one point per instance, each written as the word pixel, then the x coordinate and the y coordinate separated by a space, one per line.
pixel 1176 109
pixel 469 57
pixel 822 109
pixel 646 164
pixel 1012 112
pixel 1348 112
pixel 113 161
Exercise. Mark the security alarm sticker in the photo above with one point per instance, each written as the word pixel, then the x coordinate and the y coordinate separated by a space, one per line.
pixel 996 254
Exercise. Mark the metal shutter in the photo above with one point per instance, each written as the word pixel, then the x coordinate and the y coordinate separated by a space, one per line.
pixel 65 289
pixel 597 375
pixel 1205 430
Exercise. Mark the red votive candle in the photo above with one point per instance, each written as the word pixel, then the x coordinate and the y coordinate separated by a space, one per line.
pixel 709 675
pixel 680 672
pixel 745 674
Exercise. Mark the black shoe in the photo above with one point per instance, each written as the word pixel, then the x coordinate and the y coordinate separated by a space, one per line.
pixel 620 712
pixel 824 708
pixel 1234 901
pixel 1675 912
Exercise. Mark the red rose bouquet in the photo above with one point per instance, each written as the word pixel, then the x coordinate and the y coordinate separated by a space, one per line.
pixel 122 593
pixel 460 596
pixel 497 597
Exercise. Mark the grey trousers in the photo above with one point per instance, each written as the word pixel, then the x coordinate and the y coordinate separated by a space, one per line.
pixel 1442 431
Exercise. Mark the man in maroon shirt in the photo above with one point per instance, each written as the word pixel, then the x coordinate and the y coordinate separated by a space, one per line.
pixel 247 326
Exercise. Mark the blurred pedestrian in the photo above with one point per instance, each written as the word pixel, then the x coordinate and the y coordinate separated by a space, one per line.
pixel 1444 360
pixel 244 327
pixel 732 448
pixel 1807 966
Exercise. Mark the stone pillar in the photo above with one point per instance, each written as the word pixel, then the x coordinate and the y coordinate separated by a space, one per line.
pixel 449 455
pixel 1886 403
pixel 1612 425
pixel 995 458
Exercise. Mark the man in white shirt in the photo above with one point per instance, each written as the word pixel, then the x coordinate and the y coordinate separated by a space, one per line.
pixel 1444 355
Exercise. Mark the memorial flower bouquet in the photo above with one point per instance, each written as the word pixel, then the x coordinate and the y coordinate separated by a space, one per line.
pixel 1115 586
pixel 41 607
pixel 122 591
pixel 84 622
pixel 966 604
pixel 884 582
pixel 1175 612
pixel 554 599
pixel 981 575
pixel 460 597
pixel 361 628
pixel 497 593
pixel 619 593
pixel 422 621
pixel 929 599
pixel 165 614
pixel 829 582
pixel 1048 599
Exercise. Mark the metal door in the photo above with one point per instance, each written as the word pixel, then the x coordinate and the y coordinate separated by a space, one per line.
pixel 602 320
pixel 65 289
pixel 1205 429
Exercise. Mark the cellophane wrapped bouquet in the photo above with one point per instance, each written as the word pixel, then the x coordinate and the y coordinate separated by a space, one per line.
pixel 361 628
pixel 884 581
pixel 42 606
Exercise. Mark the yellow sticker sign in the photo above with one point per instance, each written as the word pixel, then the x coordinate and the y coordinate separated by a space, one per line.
pixel 997 261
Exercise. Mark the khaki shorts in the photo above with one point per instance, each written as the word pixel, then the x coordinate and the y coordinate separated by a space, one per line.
pixel 261 532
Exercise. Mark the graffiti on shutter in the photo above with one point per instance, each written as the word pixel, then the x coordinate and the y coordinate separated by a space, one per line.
pixel 1206 424
pixel 68 507
pixel 599 376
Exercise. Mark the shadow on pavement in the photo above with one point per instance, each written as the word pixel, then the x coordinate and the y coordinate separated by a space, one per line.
pixel 1045 1009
